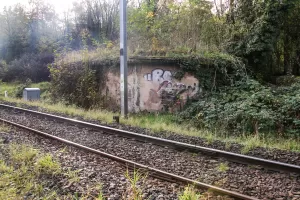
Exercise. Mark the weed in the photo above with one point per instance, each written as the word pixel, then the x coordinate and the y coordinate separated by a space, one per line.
pixel 22 154
pixel 134 192
pixel 18 174
pixel 210 138
pixel 220 182
pixel 73 175
pixel 63 150
pixel 46 164
pixel 189 193
pixel 250 143
pixel 194 154
pixel 100 195
pixel 4 128
pixel 227 145
pixel 223 167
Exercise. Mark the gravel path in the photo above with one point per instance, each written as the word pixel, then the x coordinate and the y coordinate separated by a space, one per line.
pixel 248 180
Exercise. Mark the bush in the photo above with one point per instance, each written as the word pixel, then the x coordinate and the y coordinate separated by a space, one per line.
pixel 19 89
pixel 29 66
pixel 3 68
pixel 249 106
pixel 75 85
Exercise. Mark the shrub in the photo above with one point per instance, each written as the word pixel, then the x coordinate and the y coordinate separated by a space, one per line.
pixel 3 68
pixel 29 66
pixel 248 106
pixel 78 79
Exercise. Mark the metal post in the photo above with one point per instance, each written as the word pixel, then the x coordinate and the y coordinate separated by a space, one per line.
pixel 123 58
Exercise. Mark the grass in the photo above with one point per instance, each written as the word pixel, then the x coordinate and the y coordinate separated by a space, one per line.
pixel 190 193
pixel 20 172
pixel 166 123
pixel 14 88
pixel 4 128
pixel 25 171
pixel 98 55
pixel 47 165
pixel 73 176
pixel 223 167
pixel 9 87
pixel 135 189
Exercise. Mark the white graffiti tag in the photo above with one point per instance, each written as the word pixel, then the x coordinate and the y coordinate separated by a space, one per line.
pixel 158 76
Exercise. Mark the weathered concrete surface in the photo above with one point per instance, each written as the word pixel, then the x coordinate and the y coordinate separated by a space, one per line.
pixel 152 87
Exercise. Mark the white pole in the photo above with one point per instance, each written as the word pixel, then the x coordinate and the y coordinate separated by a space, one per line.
pixel 123 58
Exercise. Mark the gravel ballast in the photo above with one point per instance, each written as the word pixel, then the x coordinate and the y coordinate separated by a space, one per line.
pixel 265 153
pixel 248 180
pixel 93 170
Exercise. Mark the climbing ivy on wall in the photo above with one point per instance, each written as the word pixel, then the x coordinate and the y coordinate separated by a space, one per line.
pixel 213 70
pixel 81 83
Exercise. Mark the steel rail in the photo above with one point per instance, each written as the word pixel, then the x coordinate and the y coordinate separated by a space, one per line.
pixel 234 157
pixel 154 172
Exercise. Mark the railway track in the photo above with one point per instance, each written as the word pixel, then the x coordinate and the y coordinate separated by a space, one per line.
pixel 134 165
pixel 106 134
pixel 234 157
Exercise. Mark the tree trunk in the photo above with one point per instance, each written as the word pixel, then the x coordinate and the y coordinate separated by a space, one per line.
pixel 288 69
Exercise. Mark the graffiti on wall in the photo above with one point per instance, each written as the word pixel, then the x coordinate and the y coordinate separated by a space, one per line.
pixel 170 94
pixel 158 75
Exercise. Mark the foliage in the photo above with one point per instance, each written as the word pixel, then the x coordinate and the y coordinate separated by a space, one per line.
pixel 186 27
pixel 20 175
pixel 263 33
pixel 29 66
pixel 19 89
pixel 249 107
pixel 134 191
pixel 27 29
pixel 259 32
pixel 48 165
pixel 15 89
pixel 213 70
pixel 79 83
pixel 190 194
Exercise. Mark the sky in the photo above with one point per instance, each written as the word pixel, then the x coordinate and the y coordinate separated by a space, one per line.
pixel 60 5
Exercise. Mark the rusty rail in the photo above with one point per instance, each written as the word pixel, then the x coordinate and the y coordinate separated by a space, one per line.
pixel 153 171
pixel 234 157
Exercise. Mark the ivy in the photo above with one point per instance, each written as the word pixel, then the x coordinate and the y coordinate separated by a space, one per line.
pixel 249 107
pixel 213 70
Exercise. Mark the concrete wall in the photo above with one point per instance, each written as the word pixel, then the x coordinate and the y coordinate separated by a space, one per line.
pixel 152 87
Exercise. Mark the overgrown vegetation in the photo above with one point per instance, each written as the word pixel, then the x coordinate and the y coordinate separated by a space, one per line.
pixel 15 89
pixel 249 107
pixel 190 194
pixel 223 167
pixel 136 185
pixel 21 170
pixel 245 54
